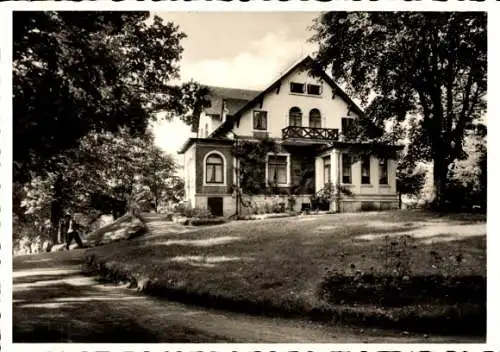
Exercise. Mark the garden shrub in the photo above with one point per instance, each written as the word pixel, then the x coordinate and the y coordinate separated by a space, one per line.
pixel 397 291
pixel 395 285
pixel 267 208
pixel 201 213
pixel 206 221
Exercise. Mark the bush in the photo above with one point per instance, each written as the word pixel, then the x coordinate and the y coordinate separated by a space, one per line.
pixel 397 291
pixel 191 212
pixel 207 221
pixel 267 208
pixel 278 208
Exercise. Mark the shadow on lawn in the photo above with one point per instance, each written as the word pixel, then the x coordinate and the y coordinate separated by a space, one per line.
pixel 280 249
pixel 75 308
pixel 68 308
pixel 53 301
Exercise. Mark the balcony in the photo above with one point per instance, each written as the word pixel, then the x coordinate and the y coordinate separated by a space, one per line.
pixel 327 134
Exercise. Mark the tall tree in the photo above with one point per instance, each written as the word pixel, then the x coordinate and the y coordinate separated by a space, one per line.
pixel 74 72
pixel 429 65
pixel 81 74
pixel 97 176
pixel 157 176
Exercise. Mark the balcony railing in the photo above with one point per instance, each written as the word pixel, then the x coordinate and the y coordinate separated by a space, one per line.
pixel 310 133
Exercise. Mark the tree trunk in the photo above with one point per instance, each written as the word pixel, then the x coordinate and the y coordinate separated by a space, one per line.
pixel 56 210
pixel 60 233
pixel 440 171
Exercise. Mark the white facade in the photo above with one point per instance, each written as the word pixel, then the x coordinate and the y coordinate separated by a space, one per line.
pixel 207 125
pixel 277 101
pixel 278 105
pixel 190 175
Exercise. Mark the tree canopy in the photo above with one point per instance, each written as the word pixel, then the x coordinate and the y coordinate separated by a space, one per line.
pixel 76 72
pixel 106 173
pixel 431 66
pixel 85 87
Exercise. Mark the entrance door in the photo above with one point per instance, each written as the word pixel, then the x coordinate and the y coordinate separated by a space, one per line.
pixel 215 206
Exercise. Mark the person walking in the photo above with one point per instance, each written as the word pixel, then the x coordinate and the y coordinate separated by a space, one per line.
pixel 73 233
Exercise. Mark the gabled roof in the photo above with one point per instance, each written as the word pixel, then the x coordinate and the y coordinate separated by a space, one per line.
pixel 234 99
pixel 191 141
pixel 307 62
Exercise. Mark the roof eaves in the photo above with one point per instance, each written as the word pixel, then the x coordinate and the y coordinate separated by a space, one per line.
pixel 336 144
pixel 193 140
pixel 238 114
pixel 186 145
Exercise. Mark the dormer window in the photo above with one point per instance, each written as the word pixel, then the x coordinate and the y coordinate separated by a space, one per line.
pixel 299 88
pixel 313 89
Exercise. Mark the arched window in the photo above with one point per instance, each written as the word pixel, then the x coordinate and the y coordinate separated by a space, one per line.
pixel 214 168
pixel 315 118
pixel 295 117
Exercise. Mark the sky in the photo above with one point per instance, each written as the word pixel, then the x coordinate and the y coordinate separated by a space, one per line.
pixel 234 49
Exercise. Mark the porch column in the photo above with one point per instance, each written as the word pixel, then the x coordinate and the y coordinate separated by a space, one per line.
pixel 318 173
pixel 334 176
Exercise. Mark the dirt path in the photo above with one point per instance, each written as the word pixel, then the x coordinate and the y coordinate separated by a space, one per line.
pixel 55 302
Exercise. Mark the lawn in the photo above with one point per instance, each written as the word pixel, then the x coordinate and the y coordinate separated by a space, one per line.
pixel 287 265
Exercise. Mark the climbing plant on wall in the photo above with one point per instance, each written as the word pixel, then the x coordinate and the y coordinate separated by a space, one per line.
pixel 250 171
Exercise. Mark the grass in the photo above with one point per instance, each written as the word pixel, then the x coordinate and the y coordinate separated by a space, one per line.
pixel 279 265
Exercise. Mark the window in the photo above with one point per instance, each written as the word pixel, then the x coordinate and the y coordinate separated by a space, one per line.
pixel 382 172
pixel 277 169
pixel 214 166
pixel 295 117
pixel 365 170
pixel 346 168
pixel 297 87
pixel 315 118
pixel 206 130
pixel 346 124
pixel 313 89
pixel 327 175
pixel 260 120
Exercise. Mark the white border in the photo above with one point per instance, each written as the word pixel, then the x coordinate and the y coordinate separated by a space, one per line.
pixel 6 169
pixel 493 241
pixel 493 7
